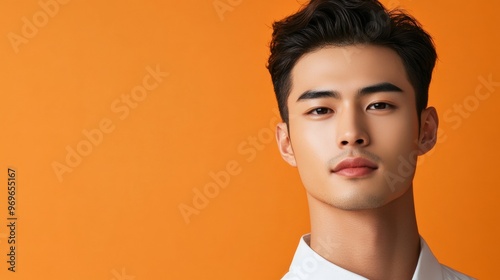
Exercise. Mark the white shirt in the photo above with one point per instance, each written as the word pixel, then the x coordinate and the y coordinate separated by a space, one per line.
pixel 308 265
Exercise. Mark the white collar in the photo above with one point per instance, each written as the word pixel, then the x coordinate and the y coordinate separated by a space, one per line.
pixel 307 264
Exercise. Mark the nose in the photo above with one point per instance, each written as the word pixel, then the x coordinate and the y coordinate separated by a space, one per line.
pixel 351 129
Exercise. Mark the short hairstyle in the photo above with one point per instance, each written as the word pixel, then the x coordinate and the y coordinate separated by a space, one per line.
pixel 349 22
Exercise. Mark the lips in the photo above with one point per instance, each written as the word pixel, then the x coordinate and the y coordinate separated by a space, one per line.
pixel 354 167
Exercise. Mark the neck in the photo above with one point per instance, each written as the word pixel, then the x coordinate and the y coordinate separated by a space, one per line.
pixel 380 243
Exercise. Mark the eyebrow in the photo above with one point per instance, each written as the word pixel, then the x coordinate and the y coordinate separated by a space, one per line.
pixel 382 87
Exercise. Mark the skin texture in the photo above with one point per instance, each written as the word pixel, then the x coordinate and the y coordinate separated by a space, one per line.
pixel 362 221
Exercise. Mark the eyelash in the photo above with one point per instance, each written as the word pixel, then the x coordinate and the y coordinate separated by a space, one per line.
pixel 387 105
pixel 315 111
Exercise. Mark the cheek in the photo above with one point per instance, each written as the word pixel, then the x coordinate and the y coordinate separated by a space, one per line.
pixel 311 148
pixel 398 136
pixel 313 144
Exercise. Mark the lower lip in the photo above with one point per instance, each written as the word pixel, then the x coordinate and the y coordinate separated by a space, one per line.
pixel 355 172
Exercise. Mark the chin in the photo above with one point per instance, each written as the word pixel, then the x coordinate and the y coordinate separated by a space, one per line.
pixel 360 202
pixel 360 199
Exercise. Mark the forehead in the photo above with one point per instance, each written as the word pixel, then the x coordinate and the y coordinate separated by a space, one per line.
pixel 347 69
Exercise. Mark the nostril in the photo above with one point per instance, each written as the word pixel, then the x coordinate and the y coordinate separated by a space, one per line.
pixel 344 142
pixel 360 141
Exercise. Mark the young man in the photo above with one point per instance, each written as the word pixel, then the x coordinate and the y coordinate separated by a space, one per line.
pixel 351 80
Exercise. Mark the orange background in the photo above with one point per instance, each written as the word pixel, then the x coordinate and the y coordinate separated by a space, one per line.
pixel 116 214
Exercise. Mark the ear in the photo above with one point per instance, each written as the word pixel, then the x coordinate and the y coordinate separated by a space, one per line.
pixel 284 144
pixel 428 130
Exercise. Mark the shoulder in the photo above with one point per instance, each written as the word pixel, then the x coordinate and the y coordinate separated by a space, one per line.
pixel 451 274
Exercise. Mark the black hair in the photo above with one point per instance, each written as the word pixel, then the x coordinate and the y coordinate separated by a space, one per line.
pixel 348 22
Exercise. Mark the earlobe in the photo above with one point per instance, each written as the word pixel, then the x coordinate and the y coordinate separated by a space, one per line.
pixel 284 144
pixel 429 123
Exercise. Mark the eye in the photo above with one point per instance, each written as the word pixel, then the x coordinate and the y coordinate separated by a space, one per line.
pixel 320 111
pixel 380 106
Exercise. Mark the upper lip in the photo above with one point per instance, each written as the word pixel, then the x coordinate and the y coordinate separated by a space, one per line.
pixel 357 162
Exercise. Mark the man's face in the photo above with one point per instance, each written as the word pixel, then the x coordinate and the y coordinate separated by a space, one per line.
pixel 354 130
